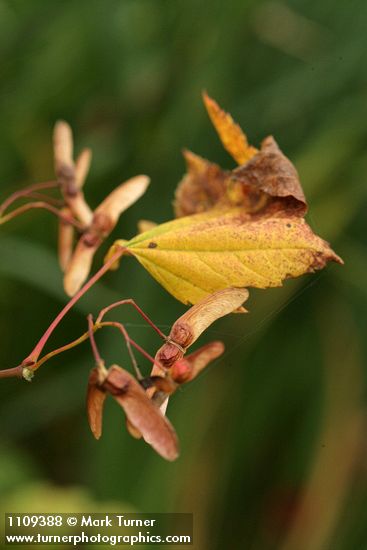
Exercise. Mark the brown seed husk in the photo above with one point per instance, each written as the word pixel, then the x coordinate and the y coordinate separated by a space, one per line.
pixel 199 317
pixel 189 367
pixel 70 178
pixel 122 197
pixel 65 240
pixel 79 267
pixel 95 401
pixel 141 412
pixel 187 329
pixel 63 145
pixel 82 166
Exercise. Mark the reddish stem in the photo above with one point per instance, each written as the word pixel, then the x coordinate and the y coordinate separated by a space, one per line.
pixel 139 310
pixel 44 197
pixel 97 357
pixel 9 373
pixel 45 206
pixel 33 356
pixel 57 351
pixel 122 329
pixel 25 192
pixel 129 343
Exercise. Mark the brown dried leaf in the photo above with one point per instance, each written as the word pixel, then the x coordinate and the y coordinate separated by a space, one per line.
pixel 141 412
pixel 201 189
pixel 230 134
pixel 266 181
pixel 266 184
pixel 271 173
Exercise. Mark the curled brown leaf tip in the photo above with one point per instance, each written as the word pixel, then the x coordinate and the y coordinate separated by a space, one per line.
pixel 271 173
pixel 266 182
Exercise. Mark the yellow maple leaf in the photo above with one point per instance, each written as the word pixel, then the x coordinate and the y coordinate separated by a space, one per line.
pixel 194 256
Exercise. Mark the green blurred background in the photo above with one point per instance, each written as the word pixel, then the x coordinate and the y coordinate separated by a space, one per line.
pixel 273 434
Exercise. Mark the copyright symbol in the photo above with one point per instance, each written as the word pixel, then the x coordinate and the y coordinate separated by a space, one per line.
pixel 72 521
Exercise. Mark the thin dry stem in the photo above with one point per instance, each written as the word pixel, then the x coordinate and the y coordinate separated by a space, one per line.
pixel 35 353
pixel 122 329
pixel 44 206
pixel 132 302
pixel 97 357
pixel 27 192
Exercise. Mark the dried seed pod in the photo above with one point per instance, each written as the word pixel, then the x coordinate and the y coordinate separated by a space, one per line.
pixel 63 145
pixel 158 388
pixel 141 413
pixel 80 265
pixel 82 166
pixel 121 198
pixel 65 240
pixel 189 367
pixel 70 179
pixel 198 318
pixel 185 332
pixel 143 417
pixel 182 371
pixel 104 220
pixel 160 383
pixel 132 430
pixel 80 208
pixel 96 396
